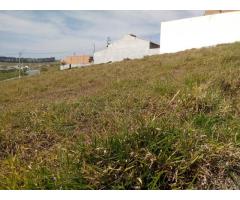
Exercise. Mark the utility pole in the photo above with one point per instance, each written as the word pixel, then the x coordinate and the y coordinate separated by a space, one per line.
pixel 108 41
pixel 19 64
pixel 93 48
pixel 70 66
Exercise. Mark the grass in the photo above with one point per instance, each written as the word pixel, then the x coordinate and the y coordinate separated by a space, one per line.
pixel 13 73
pixel 163 122
pixel 8 74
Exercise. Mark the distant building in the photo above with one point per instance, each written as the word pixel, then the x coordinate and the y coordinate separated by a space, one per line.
pixel 26 60
pixel 215 27
pixel 76 61
pixel 129 47
pixel 213 12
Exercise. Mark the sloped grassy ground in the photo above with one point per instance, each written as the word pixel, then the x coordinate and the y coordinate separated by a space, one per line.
pixel 162 122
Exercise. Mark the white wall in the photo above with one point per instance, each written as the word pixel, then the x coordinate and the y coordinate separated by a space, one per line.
pixel 128 47
pixel 63 67
pixel 199 32
pixel 151 52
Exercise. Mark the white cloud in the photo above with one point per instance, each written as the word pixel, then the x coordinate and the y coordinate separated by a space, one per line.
pixel 13 24
pixel 52 31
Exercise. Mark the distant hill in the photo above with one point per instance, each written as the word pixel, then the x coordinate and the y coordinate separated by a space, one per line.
pixel 162 122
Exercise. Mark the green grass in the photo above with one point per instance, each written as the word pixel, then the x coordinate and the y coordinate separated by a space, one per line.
pixel 8 74
pixel 163 122
pixel 43 67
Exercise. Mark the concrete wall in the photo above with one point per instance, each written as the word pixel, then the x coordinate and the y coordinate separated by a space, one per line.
pixel 67 66
pixel 199 32
pixel 33 72
pixel 151 52
pixel 128 47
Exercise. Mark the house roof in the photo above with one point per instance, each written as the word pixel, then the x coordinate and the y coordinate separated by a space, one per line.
pixel 152 44
pixel 132 35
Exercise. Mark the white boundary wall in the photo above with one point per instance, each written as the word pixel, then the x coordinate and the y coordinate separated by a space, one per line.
pixel 197 32
pixel 128 47
pixel 67 66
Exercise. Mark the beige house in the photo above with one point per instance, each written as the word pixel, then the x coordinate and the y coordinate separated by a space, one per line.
pixel 76 61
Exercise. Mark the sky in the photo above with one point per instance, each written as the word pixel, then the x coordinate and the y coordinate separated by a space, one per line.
pixel 61 33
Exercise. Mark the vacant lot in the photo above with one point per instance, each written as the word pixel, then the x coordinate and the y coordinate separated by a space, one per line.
pixel 14 73
pixel 162 122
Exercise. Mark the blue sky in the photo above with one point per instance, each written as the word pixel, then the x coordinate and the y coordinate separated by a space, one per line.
pixel 60 33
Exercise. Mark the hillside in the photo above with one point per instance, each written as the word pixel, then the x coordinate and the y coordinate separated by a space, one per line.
pixel 163 122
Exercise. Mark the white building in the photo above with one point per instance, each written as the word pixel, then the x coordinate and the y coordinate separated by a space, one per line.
pixel 197 32
pixel 129 46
